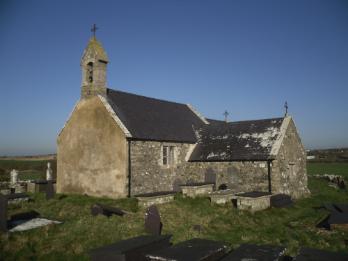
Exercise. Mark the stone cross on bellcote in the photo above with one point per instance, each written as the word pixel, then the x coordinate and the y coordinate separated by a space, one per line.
pixel 286 108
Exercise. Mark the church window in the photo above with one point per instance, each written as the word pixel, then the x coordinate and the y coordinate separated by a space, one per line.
pixel 168 158
pixel 90 72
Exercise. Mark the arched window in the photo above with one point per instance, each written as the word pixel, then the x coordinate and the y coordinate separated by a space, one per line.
pixel 90 72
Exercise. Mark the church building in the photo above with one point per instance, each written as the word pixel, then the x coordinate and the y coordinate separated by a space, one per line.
pixel 117 144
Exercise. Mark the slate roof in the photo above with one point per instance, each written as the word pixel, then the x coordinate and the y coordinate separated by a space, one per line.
pixel 154 119
pixel 234 141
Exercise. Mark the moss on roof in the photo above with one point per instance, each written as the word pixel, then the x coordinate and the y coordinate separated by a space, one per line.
pixel 95 46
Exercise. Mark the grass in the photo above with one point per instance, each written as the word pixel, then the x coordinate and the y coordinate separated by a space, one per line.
pixel 328 168
pixel 292 227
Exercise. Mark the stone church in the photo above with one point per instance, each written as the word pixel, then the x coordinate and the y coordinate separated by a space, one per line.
pixel 118 144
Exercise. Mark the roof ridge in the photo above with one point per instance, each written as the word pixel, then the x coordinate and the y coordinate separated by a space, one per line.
pixel 244 121
pixel 147 97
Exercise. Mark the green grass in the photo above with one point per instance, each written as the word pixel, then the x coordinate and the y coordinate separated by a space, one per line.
pixel 328 168
pixel 292 227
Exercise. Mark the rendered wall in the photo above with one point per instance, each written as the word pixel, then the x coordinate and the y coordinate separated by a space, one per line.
pixel 92 153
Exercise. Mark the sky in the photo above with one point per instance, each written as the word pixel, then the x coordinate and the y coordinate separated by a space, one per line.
pixel 247 57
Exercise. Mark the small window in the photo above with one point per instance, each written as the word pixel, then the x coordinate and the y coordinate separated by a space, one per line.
pixel 90 72
pixel 168 158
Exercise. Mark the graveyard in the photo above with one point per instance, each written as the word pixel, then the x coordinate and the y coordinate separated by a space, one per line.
pixel 81 230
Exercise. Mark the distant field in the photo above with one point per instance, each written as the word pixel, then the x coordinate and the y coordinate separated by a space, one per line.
pixel 28 169
pixel 328 168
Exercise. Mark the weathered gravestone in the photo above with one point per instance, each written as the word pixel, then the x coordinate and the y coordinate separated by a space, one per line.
pixel 338 217
pixel 49 190
pixel 3 213
pixel 14 177
pixel 49 172
pixel 210 177
pixel 256 253
pixel 98 209
pixel 133 249
pixel 192 250
pixel 153 224
pixel 310 254
pixel 176 185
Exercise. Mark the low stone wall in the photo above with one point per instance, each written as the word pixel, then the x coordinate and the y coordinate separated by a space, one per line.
pixel 193 191
pixel 146 201
pixel 252 204
pixel 222 196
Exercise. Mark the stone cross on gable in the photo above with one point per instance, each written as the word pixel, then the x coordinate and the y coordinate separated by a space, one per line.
pixel 226 115
pixel 286 108
pixel 94 29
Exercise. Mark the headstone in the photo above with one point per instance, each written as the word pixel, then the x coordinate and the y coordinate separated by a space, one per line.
pixel 3 213
pixel 98 209
pixel 210 176
pixel 194 249
pixel 49 190
pixel 133 249
pixel 14 177
pixel 176 185
pixel 256 253
pixel 153 223
pixel 49 172
pixel 309 254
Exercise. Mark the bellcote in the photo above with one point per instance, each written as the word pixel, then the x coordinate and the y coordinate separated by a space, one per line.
pixel 93 64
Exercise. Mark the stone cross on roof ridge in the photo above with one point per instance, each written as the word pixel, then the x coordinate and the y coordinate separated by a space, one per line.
pixel 286 108
pixel 226 115
pixel 94 29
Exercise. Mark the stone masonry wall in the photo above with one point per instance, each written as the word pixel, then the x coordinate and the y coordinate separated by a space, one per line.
pixel 149 175
pixel 289 173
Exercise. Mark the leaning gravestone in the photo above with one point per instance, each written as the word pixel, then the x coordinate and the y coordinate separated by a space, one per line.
pixel 153 223
pixel 49 190
pixel 99 209
pixel 3 213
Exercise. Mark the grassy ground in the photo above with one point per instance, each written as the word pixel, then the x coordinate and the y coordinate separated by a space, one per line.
pixel 328 168
pixel 292 227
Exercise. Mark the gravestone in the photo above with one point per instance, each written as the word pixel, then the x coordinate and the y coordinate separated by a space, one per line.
pixel 98 209
pixel 49 172
pixel 176 185
pixel 49 190
pixel 210 176
pixel 3 213
pixel 256 253
pixel 133 249
pixel 196 249
pixel 153 223
pixel 14 177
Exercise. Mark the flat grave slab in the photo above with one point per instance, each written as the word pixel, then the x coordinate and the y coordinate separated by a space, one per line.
pixel 146 200
pixel 281 201
pixel 194 190
pixel 311 254
pixel 252 201
pixel 133 249
pixel 99 209
pixel 222 196
pixel 192 250
pixel 17 197
pixel 23 225
pixel 338 217
pixel 256 253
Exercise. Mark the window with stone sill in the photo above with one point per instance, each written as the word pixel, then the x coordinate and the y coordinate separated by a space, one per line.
pixel 168 155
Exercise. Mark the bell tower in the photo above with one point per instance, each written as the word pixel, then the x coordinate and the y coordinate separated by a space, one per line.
pixel 93 64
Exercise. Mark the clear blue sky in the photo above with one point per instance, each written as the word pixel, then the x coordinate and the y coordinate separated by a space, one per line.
pixel 244 56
